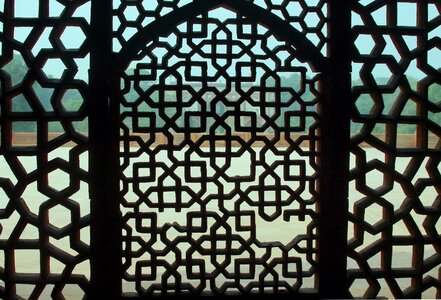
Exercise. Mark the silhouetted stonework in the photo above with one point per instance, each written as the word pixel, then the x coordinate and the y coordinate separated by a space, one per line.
pixel 219 152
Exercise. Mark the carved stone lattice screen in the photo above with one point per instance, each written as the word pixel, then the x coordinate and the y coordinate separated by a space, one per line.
pixel 219 124
pixel 220 148
pixel 394 230
pixel 44 215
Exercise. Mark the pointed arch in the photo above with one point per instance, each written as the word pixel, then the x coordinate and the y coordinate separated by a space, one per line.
pixel 280 28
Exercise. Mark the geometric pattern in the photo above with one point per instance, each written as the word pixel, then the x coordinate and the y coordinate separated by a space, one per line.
pixel 219 124
pixel 309 17
pixel 394 214
pixel 44 207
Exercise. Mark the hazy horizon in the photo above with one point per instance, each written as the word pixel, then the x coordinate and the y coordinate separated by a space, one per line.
pixel 73 37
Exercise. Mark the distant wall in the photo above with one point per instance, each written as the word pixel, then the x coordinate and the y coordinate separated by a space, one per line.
pixel 403 140
pixel 21 139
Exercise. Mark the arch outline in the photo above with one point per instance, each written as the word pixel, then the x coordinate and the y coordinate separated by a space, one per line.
pixel 308 52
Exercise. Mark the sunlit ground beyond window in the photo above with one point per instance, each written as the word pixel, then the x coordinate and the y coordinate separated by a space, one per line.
pixel 278 231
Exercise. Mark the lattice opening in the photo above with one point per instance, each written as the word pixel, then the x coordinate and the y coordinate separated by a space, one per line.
pixel 220 124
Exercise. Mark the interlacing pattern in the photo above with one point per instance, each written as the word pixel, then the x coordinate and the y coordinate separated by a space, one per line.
pixel 220 107
pixel 394 229
pixel 219 124
pixel 307 16
pixel 44 220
